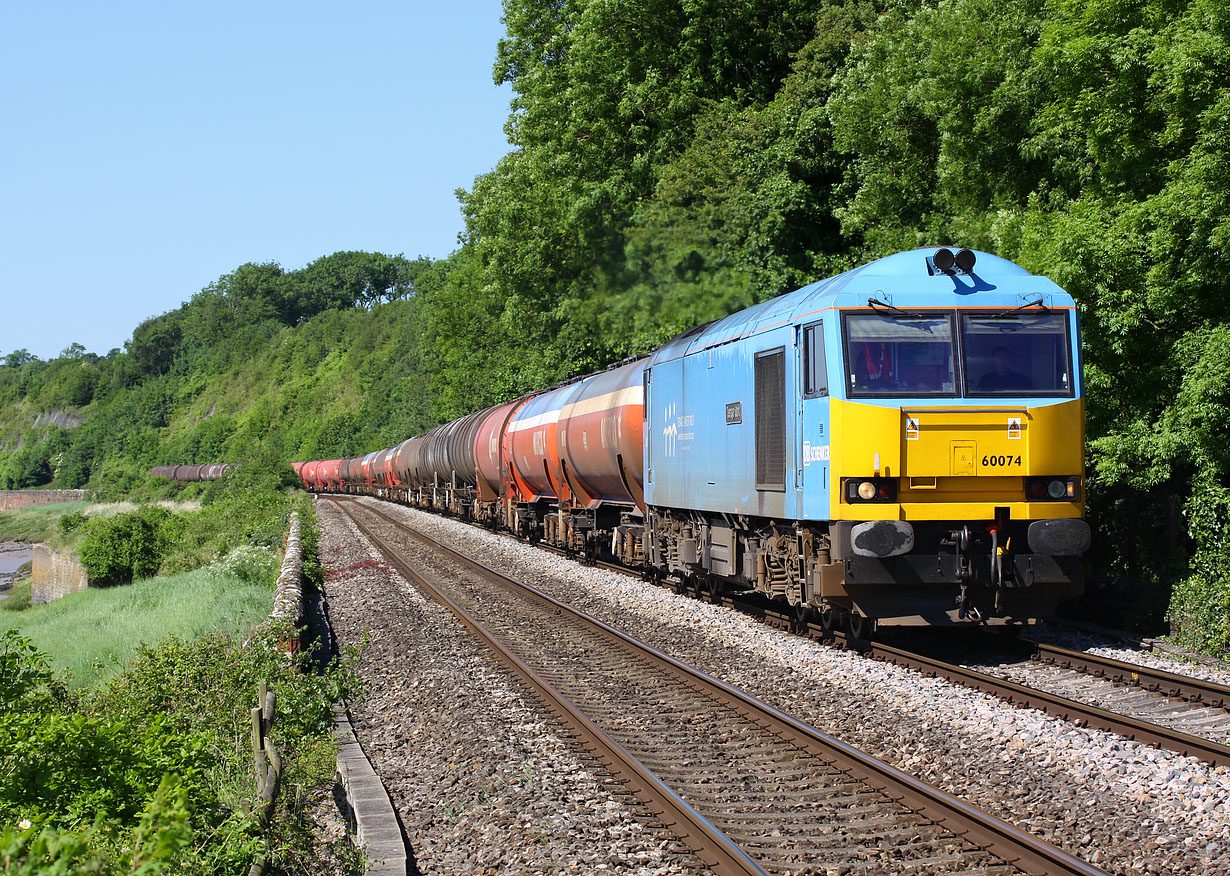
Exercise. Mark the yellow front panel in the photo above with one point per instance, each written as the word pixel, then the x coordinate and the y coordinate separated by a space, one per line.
pixel 956 463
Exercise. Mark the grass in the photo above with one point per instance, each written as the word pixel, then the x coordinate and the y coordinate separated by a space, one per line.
pixel 92 634
pixel 111 509
pixel 38 523
pixel 17 597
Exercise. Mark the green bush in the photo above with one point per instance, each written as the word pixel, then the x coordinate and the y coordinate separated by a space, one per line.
pixel 261 467
pixel 250 564
pixel 80 767
pixel 152 773
pixel 123 548
pixel 71 522
pixel 28 850
pixel 234 516
pixel 26 679
pixel 1200 614
pixel 85 789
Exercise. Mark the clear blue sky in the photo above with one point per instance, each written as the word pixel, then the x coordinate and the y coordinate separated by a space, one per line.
pixel 148 148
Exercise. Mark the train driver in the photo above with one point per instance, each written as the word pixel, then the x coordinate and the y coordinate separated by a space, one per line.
pixel 1004 377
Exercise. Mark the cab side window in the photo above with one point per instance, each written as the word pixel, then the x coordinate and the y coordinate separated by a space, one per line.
pixel 815 374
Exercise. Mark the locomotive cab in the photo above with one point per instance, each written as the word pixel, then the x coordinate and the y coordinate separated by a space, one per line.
pixel 958 476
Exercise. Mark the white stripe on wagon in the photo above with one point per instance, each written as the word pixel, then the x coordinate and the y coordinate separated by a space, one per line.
pixel 534 422
pixel 629 395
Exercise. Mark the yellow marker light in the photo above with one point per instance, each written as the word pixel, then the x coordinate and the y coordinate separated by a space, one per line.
pixel 867 490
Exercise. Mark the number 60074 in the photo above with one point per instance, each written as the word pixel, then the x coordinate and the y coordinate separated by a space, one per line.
pixel 998 461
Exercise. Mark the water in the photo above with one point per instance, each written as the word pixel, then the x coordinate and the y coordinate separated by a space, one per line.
pixel 10 562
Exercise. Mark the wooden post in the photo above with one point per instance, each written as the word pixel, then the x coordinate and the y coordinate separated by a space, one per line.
pixel 258 751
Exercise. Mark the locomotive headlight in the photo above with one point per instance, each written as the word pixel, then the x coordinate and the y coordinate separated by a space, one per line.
pixel 869 490
pixel 1053 489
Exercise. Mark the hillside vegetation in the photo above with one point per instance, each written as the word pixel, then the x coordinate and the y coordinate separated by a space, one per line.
pixel 673 162
pixel 125 709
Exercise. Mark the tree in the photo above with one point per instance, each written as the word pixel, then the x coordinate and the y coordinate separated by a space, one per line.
pixel 347 279
pixel 17 358
pixel 155 344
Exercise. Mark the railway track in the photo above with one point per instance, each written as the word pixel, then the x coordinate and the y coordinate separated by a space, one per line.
pixel 750 789
pixel 1168 710
pixel 1067 708
pixel 1197 691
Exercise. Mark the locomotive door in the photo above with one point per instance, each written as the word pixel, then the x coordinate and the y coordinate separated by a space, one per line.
pixel 813 436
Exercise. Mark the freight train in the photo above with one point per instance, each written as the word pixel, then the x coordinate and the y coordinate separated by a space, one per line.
pixel 901 444
pixel 210 471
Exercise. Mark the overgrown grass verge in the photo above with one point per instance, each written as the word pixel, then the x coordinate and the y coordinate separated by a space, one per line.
pixel 125 722
pixel 38 523
pixel 90 635
pixel 151 772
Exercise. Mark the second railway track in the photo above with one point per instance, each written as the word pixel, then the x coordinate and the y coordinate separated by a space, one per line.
pixel 1180 713
pixel 766 787
pixel 1131 717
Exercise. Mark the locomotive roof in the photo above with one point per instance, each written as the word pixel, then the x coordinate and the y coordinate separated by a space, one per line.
pixel 904 280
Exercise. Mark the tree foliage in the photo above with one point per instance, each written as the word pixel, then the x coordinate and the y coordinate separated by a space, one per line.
pixel 675 160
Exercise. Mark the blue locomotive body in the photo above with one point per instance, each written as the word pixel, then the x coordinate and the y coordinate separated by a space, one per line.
pixel 758 426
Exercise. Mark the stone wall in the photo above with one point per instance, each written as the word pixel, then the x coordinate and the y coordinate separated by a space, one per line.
pixel 11 500
pixel 53 574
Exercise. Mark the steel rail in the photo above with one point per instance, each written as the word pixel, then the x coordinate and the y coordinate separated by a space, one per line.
pixel 1053 704
pixel 709 844
pixel 1002 839
pixel 1197 691
pixel 1171 684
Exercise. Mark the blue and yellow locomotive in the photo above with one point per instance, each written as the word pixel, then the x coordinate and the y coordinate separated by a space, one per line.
pixel 901 444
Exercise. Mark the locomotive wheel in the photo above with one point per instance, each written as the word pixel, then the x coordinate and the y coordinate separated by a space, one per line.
pixel 802 614
pixel 715 590
pixel 828 619
pixel 861 626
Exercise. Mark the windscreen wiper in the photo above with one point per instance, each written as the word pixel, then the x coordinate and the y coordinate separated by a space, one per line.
pixel 876 304
pixel 1038 303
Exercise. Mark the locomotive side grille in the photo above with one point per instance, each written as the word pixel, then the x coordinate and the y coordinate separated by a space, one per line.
pixel 771 420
